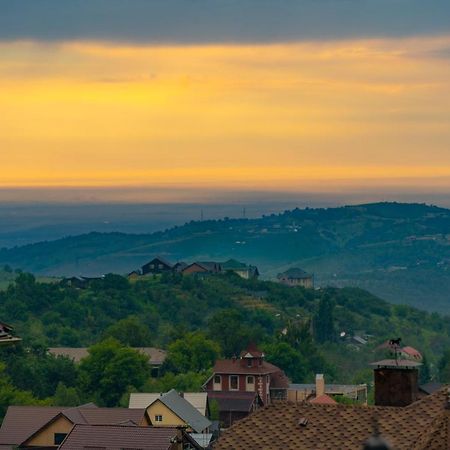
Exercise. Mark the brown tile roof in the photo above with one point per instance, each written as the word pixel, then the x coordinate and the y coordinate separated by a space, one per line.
pixel 116 437
pixel 282 425
pixel 20 422
pixel 229 366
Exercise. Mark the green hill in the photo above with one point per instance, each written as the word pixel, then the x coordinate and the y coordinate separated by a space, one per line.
pixel 400 252
pixel 230 311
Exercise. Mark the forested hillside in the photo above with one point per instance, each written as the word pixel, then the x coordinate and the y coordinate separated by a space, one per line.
pixel 196 320
pixel 400 252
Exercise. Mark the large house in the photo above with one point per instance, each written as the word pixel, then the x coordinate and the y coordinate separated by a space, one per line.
pixel 296 277
pixel 157 266
pixel 202 267
pixel 249 373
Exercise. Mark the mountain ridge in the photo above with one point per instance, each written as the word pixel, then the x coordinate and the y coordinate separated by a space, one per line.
pixel 386 246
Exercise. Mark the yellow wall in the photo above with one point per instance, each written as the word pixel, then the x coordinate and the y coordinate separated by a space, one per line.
pixel 169 418
pixel 46 437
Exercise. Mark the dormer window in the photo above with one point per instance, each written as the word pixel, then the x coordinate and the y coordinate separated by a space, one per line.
pixel 249 362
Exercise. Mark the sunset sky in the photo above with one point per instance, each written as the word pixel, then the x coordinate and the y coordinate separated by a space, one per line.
pixel 263 95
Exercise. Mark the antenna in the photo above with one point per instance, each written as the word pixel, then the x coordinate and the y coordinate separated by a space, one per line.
pixel 201 214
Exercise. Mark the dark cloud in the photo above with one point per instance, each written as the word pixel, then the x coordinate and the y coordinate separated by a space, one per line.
pixel 192 21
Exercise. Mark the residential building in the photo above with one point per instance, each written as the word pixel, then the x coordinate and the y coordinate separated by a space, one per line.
pixel 249 373
pixel 296 277
pixel 46 427
pixel 234 406
pixel 123 437
pixel 171 409
pixel 243 270
pixel 199 400
pixel 202 267
pixel 157 266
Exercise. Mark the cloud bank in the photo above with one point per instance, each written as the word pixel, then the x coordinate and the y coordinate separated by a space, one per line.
pixel 218 21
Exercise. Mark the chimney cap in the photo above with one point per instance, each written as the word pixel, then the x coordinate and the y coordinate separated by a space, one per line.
pixel 396 364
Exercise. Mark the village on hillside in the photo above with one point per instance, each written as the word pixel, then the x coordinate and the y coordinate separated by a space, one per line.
pixel 246 403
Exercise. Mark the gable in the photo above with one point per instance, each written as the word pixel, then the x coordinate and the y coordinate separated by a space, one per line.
pixel 45 436
pixel 158 408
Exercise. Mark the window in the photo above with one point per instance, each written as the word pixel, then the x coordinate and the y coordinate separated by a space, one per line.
pixel 58 438
pixel 160 266
pixel 234 382
pixel 158 418
pixel 251 379
pixel 249 363
pixel 217 379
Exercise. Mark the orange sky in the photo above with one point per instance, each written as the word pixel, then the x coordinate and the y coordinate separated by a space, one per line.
pixel 282 116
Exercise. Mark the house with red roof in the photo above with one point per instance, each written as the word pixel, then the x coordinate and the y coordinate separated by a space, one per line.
pixel 250 372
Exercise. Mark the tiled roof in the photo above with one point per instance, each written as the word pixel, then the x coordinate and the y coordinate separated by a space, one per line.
pixel 119 437
pixel 323 400
pixel 422 425
pixel 234 400
pixel 229 366
pixel 20 422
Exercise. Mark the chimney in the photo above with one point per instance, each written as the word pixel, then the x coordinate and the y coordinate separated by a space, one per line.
pixel 320 385
pixel 396 382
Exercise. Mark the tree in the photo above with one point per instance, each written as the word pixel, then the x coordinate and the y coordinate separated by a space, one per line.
pixel 110 369
pixel 323 322
pixel 444 367
pixel 287 358
pixel 226 328
pixel 10 395
pixel 65 396
pixel 194 352
pixel 425 372
pixel 130 331
pixel 182 382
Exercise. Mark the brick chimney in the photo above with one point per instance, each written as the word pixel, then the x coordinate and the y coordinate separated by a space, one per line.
pixel 320 385
pixel 396 382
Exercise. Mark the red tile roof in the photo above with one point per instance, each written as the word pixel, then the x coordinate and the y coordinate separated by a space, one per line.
pixel 323 400
pixel 422 425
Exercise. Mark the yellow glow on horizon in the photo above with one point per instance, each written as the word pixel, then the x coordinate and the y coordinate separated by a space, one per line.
pixel 269 116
